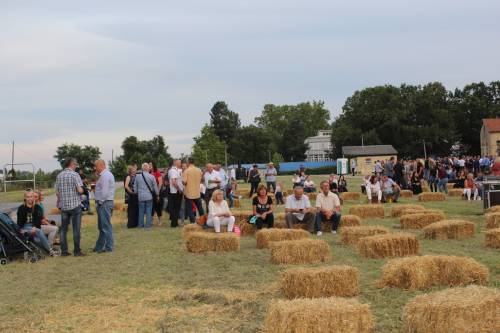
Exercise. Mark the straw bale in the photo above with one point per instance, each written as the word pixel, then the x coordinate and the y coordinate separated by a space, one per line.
pixel 118 205
pixel 455 192
pixel 312 196
pixel 492 220
pixel 302 251
pixel 418 221
pixel 397 210
pixel 279 216
pixel 388 245
pixel 327 281
pixel 426 188
pixel 350 195
pixel 367 211
pixel 493 209
pixel 242 215
pixel 55 211
pixel 492 238
pixel 190 228
pixel 246 228
pixel 198 242
pixel 280 224
pixel 418 273
pixel 351 235
pixel 332 314
pixel 406 194
pixel 431 196
pixel 449 229
pixel 473 309
pixel 266 236
pixel 350 221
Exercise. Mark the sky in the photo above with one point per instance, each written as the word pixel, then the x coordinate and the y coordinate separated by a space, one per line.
pixel 94 72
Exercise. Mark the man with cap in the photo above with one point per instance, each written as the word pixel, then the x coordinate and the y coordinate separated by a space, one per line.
pixel 271 174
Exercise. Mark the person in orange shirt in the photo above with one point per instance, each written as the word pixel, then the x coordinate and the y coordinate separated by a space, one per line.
pixel 191 178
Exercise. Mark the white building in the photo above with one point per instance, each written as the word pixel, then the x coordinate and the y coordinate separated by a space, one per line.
pixel 320 147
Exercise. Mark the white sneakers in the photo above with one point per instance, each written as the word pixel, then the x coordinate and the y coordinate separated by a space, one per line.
pixel 334 232
pixel 319 233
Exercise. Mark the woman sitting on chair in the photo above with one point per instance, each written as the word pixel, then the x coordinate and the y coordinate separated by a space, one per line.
pixel 219 213
pixel 263 208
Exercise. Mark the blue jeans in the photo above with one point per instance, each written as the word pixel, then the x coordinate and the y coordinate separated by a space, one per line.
pixel 38 238
pixel 334 219
pixel 74 217
pixel 442 185
pixel 105 240
pixel 146 207
pixel 191 212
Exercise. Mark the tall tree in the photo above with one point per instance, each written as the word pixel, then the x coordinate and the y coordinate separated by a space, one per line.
pixel 292 145
pixel 139 151
pixel 208 147
pixel 250 145
pixel 224 121
pixel 85 155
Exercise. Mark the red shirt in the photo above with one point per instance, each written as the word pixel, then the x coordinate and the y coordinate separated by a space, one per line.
pixel 157 175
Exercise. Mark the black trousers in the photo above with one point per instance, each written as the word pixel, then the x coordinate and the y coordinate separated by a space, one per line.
pixel 175 202
pixel 269 220
pixel 253 188
pixel 133 211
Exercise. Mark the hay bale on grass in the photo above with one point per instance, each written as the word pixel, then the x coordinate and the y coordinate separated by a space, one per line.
pixel 406 194
pixel 241 215
pixel 492 238
pixel 246 228
pixel 279 216
pixel 280 224
pixel 426 188
pixel 349 221
pixel 388 245
pixel 118 205
pixel 493 209
pixel 449 229
pixel 332 314
pixel 450 185
pixel 320 282
pixel 417 273
pixel 302 251
pixel 55 211
pixel 265 236
pixel 468 309
pixel 198 242
pixel 455 192
pixel 350 196
pixel 418 221
pixel 190 228
pixel 492 220
pixel 431 196
pixel 351 235
pixel 367 211
pixel 398 210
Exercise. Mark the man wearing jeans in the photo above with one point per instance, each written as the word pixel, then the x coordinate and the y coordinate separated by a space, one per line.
pixel 69 188
pixel 271 177
pixel 104 199
pixel 147 190
pixel 191 178
pixel 328 206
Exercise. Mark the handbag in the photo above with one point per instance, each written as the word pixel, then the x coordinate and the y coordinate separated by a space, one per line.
pixel 253 219
pixel 153 193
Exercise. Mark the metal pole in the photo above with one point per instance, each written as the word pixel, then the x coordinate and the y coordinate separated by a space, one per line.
pixel 225 154
pixel 425 151
pixel 12 161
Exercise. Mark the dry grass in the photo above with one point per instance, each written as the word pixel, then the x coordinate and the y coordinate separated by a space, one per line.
pixel 333 314
pixel 367 211
pixel 469 309
pixel 492 238
pixel 350 196
pixel 492 220
pixel 417 273
pixel 449 229
pixel 493 209
pixel 302 251
pixel 349 221
pixel 455 192
pixel 265 236
pixel 190 228
pixel 118 205
pixel 399 210
pixel 388 245
pixel 406 194
pixel 320 282
pixel 198 242
pixel 431 196
pixel 418 221
pixel 246 228
pixel 351 235
pixel 241 215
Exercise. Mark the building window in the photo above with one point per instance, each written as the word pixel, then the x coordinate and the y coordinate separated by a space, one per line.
pixel 498 147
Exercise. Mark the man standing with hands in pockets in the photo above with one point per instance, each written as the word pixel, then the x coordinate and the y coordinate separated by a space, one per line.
pixel 104 200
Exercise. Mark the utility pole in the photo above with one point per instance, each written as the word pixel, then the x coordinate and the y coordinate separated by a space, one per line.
pixel 112 156
pixel 425 150
pixel 12 161
pixel 225 153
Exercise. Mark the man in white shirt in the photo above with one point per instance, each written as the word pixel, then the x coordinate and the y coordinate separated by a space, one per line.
pixel 271 174
pixel 212 183
pixel 223 178
pixel 298 209
pixel 176 189
pixel 328 208
pixel 390 189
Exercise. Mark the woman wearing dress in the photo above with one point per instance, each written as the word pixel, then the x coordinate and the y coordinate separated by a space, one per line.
pixel 219 213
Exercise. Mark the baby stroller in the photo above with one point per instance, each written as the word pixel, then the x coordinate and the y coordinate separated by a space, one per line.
pixel 13 243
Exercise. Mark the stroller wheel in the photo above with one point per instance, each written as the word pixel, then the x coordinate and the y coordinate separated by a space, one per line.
pixel 3 261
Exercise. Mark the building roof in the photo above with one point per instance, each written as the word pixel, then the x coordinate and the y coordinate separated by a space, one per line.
pixel 492 124
pixel 374 150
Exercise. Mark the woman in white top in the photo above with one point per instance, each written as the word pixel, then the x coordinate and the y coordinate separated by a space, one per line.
pixel 309 185
pixel 373 188
pixel 219 213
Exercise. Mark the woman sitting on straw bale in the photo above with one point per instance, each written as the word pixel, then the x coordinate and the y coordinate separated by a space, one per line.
pixel 262 208
pixel 373 188
pixel 309 186
pixel 470 187
pixel 342 184
pixel 298 209
pixel 219 213
pixel 328 206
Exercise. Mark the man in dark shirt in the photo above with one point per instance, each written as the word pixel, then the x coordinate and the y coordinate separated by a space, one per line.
pixel 399 174
pixel 29 219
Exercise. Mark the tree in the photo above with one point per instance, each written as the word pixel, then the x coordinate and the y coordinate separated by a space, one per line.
pixel 154 150
pixel 86 155
pixel 277 159
pixel 208 147
pixel 224 122
pixel 118 168
pixel 292 145
pixel 250 145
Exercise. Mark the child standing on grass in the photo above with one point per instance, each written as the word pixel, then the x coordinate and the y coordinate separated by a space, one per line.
pixel 278 194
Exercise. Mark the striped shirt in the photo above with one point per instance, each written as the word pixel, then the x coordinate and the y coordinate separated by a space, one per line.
pixel 67 184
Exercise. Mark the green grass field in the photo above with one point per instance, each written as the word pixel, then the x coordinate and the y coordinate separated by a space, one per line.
pixel 17 196
pixel 151 283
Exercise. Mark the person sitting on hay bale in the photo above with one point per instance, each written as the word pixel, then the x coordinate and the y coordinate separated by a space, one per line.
pixel 470 187
pixel 278 194
pixel 342 184
pixel 328 206
pixel 219 213
pixel 298 209
pixel 309 186
pixel 390 190
pixel 262 209
pixel 373 188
